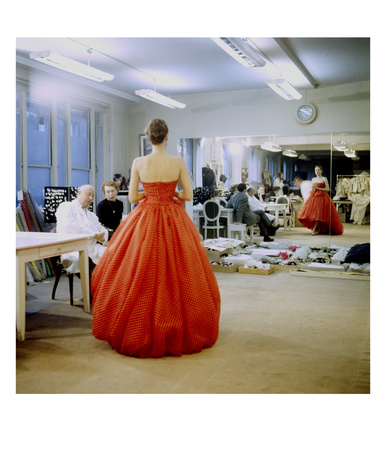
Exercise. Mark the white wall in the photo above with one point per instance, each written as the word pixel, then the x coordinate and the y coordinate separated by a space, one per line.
pixel 255 112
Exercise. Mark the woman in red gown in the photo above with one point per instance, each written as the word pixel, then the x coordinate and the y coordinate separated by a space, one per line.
pixel 154 291
pixel 319 213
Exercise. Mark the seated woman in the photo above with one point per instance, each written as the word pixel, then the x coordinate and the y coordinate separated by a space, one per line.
pixel 109 210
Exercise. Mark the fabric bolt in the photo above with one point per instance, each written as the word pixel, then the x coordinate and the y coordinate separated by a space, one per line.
pixel 20 215
pixel 154 291
pixel 39 214
pixel 26 215
pixel 31 212
pixel 320 207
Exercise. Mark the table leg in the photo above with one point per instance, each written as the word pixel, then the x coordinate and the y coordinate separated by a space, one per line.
pixel 84 278
pixel 229 222
pixel 20 299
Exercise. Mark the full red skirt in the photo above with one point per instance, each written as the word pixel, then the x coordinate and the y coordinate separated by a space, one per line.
pixel 320 207
pixel 154 291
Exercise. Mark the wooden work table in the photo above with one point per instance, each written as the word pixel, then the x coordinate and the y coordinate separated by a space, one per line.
pixel 31 246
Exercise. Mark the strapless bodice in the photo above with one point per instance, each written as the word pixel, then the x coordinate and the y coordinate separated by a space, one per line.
pixel 160 192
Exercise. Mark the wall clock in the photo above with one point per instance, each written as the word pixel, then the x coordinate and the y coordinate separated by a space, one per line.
pixel 306 113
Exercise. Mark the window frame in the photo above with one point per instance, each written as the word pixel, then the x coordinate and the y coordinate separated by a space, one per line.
pixel 26 91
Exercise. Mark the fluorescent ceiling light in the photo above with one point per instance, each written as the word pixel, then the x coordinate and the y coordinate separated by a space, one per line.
pixel 350 153
pixel 271 147
pixel 236 49
pixel 290 153
pixel 340 146
pixel 69 65
pixel 284 89
pixel 159 98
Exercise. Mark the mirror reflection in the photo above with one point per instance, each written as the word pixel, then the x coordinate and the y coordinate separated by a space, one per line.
pixel 286 166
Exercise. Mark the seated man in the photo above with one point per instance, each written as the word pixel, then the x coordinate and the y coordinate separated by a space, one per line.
pixel 74 217
pixel 257 205
pixel 244 214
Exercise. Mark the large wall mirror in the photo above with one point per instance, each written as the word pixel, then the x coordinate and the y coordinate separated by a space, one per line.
pixel 345 158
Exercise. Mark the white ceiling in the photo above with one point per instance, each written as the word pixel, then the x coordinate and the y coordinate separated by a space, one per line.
pixel 198 65
pixel 180 66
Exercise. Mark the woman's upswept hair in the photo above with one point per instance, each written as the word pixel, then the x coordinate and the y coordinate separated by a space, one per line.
pixel 156 131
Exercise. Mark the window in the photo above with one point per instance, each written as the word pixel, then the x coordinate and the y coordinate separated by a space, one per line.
pixel 61 146
pixel 55 146
pixel 188 155
pixel 98 154
pixel 18 143
pixel 227 158
pixel 80 148
pixel 38 148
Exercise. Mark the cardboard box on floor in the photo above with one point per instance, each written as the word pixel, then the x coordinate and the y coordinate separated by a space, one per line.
pixel 227 269
pixel 214 255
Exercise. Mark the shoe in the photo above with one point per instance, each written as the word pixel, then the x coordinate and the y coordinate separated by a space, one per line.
pixel 267 239
pixel 271 230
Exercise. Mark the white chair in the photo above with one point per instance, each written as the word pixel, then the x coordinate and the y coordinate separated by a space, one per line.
pixel 212 211
pixel 286 214
pixel 240 231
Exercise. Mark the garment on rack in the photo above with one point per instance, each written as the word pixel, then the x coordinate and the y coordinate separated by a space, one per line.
pixel 267 177
pixel 319 207
pixel 358 184
pixel 358 209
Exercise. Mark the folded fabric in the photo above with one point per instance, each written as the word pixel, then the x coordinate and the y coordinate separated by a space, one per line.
pixel 360 254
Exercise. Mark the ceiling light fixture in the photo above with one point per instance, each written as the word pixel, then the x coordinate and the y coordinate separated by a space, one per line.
pixel 154 96
pixel 244 55
pixel 290 153
pixel 340 146
pixel 350 153
pixel 270 147
pixel 284 89
pixel 69 65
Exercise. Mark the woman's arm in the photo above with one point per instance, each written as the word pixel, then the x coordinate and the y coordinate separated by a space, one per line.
pixel 326 188
pixel 186 193
pixel 134 195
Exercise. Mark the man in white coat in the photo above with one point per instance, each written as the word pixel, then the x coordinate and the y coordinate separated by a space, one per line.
pixel 74 218
pixel 255 204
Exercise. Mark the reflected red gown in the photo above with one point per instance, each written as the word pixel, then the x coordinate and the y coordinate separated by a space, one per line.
pixel 320 207
pixel 154 291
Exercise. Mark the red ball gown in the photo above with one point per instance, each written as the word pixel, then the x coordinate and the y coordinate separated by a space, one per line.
pixel 320 207
pixel 154 291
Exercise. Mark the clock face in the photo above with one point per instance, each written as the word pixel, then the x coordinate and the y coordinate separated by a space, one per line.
pixel 306 113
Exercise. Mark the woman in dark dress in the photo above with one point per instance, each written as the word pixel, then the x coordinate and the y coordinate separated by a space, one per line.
pixel 109 210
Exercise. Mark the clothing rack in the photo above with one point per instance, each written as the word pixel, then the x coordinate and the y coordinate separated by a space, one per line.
pixel 353 186
pixel 338 177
